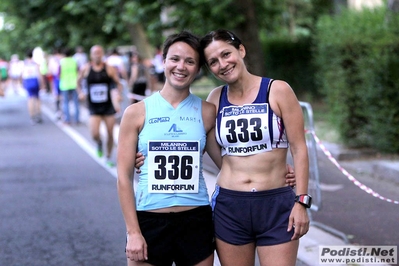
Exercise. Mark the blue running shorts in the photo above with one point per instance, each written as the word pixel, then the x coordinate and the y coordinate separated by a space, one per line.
pixel 253 217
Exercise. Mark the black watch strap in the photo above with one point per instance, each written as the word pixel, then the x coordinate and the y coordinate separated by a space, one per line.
pixel 304 199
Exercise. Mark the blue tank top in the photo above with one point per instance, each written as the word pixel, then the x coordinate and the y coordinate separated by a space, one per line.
pixel 172 141
pixel 251 128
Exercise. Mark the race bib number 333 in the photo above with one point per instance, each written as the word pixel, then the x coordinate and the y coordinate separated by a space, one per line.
pixel 173 166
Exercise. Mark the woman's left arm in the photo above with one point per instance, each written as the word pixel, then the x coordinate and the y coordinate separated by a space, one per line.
pixel 286 105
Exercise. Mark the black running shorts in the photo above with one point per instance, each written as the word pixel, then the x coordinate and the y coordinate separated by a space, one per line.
pixel 185 238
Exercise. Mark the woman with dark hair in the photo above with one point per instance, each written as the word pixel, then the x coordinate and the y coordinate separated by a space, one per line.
pixel 169 219
pixel 258 119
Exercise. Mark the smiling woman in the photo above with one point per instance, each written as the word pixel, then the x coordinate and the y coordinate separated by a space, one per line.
pixel 170 128
pixel 258 119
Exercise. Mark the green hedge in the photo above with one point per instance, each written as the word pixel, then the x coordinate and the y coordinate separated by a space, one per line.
pixel 357 62
pixel 292 62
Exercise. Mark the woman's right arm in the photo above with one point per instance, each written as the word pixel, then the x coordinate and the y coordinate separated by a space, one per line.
pixel 130 126
pixel 212 147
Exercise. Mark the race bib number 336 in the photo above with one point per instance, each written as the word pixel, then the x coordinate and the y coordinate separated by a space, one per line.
pixel 173 166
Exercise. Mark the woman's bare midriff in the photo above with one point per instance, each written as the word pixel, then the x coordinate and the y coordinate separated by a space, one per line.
pixel 174 209
pixel 258 172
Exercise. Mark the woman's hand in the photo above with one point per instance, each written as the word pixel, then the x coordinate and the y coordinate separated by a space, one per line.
pixel 136 247
pixel 289 177
pixel 139 162
pixel 299 221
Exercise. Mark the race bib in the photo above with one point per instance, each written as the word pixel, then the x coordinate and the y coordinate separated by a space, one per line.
pixel 173 166
pixel 244 129
pixel 99 93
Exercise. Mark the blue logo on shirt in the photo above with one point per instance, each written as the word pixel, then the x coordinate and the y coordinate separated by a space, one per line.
pixel 158 120
pixel 174 128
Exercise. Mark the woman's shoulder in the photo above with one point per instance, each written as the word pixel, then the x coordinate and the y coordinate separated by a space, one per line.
pixel 208 105
pixel 134 115
pixel 214 95
pixel 135 109
pixel 280 86
pixel 282 96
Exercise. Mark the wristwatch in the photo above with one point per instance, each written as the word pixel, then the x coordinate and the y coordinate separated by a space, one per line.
pixel 304 199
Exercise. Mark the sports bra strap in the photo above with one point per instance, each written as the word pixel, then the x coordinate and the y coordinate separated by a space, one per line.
pixel 268 90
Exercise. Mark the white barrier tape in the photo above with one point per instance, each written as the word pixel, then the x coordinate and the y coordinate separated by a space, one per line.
pixel 135 96
pixel 348 175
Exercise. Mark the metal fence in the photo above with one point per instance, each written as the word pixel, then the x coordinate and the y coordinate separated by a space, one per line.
pixel 314 179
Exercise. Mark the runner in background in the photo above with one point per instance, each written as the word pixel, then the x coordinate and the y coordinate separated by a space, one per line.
pixel 47 77
pixel 32 81
pixel 100 77
pixel 80 57
pixel 68 86
pixel 157 70
pixel 14 73
pixel 116 61
pixel 54 71
pixel 3 75
pixel 139 80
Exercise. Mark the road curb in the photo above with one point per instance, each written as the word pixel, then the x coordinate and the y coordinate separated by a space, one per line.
pixel 387 170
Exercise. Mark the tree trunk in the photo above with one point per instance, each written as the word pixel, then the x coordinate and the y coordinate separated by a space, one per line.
pixel 292 24
pixel 393 5
pixel 140 40
pixel 248 32
pixel 392 16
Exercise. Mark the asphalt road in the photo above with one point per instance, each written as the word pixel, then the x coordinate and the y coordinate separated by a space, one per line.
pixel 366 220
pixel 58 206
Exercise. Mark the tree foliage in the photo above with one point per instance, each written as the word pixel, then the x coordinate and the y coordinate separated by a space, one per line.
pixel 144 23
pixel 357 64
